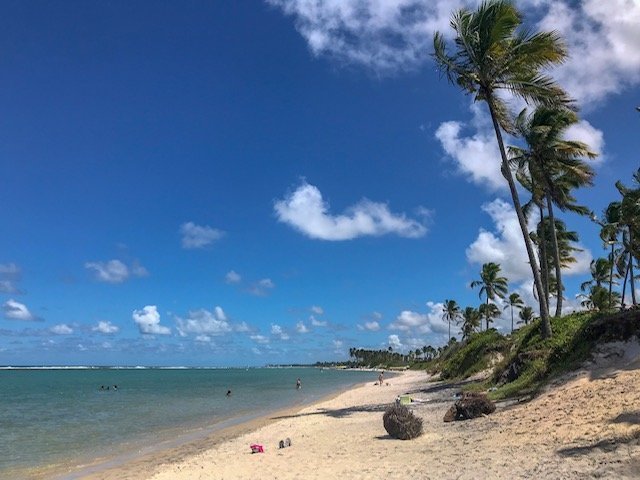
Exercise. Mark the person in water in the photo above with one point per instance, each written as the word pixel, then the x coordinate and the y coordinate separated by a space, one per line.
pixel 228 393
pixel 298 384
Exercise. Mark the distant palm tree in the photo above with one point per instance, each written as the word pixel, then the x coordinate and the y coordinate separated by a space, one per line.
pixel 450 313
pixel 471 321
pixel 491 283
pixel 514 300
pixel 526 315
pixel 492 54
pixel 599 269
pixel 489 311
pixel 630 222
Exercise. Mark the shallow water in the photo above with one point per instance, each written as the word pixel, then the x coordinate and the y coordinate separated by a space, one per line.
pixel 64 417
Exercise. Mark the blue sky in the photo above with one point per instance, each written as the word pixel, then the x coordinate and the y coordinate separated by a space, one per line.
pixel 231 183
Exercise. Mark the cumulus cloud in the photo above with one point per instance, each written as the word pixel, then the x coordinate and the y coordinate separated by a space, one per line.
pixel 372 326
pixel 301 327
pixel 105 327
pixel 317 310
pixel 202 322
pixel 317 323
pixel 148 321
pixel 9 287
pixel 583 131
pixel 261 288
pixel 476 156
pixel 232 277
pixel 505 245
pixel 306 211
pixel 242 327
pixel 393 36
pixel 9 269
pixel 278 331
pixel 198 236
pixel 62 329
pixel 394 342
pixel 423 323
pixel 115 271
pixel 13 310
pixel 260 339
pixel 203 338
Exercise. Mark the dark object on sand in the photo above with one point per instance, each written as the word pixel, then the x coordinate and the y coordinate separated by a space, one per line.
pixel 285 443
pixel 400 422
pixel 471 405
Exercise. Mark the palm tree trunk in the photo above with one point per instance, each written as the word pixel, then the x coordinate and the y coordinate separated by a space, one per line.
pixel 511 318
pixel 544 262
pixel 632 284
pixel 506 172
pixel 556 256
pixel 611 259
pixel 624 284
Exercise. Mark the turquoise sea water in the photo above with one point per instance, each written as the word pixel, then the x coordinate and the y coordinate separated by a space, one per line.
pixel 62 416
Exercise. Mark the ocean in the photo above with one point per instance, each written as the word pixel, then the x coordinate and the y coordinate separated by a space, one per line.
pixel 67 417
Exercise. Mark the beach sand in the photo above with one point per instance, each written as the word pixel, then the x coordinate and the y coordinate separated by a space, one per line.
pixel 585 425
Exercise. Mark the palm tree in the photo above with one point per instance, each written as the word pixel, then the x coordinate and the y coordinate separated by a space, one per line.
pixel 554 165
pixel 491 283
pixel 526 315
pixel 514 300
pixel 609 233
pixel 599 269
pixel 630 220
pixel 491 53
pixel 489 311
pixel 450 312
pixel 471 321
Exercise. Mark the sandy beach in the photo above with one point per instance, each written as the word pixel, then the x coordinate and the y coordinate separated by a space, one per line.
pixel 585 425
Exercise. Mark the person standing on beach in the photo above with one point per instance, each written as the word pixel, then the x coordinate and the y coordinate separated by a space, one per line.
pixel 381 378
pixel 298 384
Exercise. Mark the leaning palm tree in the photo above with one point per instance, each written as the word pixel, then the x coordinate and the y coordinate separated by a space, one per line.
pixel 450 313
pixel 491 284
pixel 514 300
pixel 555 165
pixel 491 54
pixel 630 220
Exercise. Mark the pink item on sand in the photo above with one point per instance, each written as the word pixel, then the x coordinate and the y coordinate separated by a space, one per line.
pixel 255 448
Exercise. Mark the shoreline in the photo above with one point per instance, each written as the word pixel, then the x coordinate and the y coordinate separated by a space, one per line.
pixel 179 446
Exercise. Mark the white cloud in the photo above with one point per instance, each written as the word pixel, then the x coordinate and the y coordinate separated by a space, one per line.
pixel 203 338
pixel 396 35
pixel 105 327
pixel 372 326
pixel 115 271
pixel 232 277
pixel 506 247
pixel 256 351
pixel 62 329
pixel 301 327
pixel 198 236
pixel 603 35
pixel 260 339
pixel 423 323
pixel 204 322
pixel 317 323
pixel 262 287
pixel 394 342
pixel 278 331
pixel 583 131
pixel 384 36
pixel 306 211
pixel 9 274
pixel 317 310
pixel 148 321
pixel 242 327
pixel 477 156
pixel 17 311
pixel 338 346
